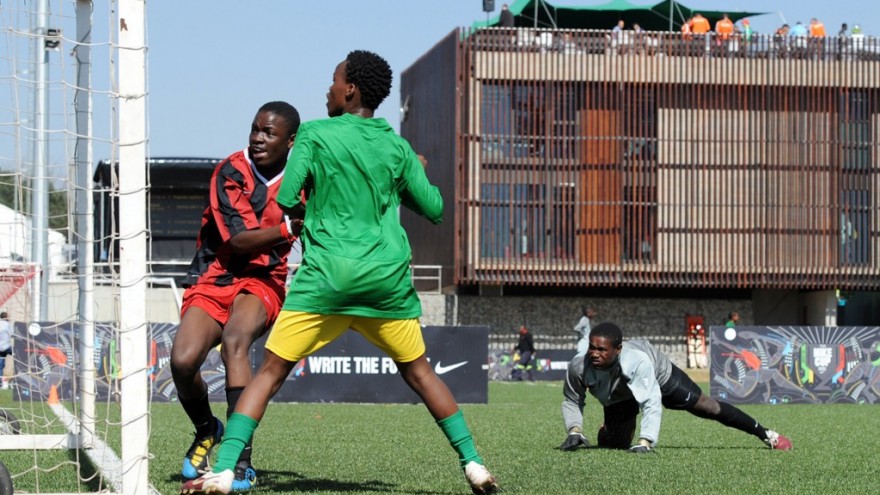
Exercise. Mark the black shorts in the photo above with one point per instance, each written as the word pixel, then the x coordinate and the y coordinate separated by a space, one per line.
pixel 680 392
pixel 6 352
pixel 620 425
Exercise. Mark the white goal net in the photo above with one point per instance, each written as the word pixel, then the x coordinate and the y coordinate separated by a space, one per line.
pixel 75 397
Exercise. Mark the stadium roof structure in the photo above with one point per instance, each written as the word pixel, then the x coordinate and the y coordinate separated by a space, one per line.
pixel 668 15
pixel 170 172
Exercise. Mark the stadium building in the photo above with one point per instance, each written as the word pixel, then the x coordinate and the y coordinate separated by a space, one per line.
pixel 652 175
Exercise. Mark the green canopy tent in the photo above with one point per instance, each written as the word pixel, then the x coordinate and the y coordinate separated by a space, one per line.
pixel 666 15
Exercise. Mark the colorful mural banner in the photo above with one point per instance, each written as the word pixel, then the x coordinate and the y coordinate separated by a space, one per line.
pixel 547 364
pixel 795 364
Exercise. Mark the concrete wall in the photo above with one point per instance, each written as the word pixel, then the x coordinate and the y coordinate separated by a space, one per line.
pixel 161 304
pixel 792 307
pixel 551 319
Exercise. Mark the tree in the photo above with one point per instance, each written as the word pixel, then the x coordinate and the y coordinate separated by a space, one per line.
pixel 19 198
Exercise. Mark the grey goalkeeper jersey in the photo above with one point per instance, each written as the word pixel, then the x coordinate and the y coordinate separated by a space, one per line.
pixel 639 374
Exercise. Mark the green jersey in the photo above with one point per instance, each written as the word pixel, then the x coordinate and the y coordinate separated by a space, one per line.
pixel 356 255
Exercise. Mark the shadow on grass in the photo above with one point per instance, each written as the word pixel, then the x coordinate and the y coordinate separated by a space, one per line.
pixel 88 472
pixel 290 482
pixel 596 448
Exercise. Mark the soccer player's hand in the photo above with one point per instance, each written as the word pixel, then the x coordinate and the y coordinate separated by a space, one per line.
pixel 296 226
pixel 641 449
pixel 575 440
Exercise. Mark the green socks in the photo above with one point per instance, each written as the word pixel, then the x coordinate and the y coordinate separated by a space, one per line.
pixel 459 437
pixel 239 431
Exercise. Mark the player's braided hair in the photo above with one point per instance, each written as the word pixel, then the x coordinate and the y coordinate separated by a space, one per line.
pixel 371 74
pixel 609 331
pixel 284 110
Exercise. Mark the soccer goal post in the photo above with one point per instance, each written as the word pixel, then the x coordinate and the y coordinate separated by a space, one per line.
pixel 75 409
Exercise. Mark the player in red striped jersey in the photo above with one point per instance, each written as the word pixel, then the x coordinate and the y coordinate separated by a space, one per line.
pixel 236 282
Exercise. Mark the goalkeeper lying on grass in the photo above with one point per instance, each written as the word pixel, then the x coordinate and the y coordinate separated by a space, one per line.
pixel 632 377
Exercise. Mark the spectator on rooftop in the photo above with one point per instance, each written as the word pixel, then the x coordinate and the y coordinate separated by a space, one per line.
pixel 723 33
pixel 798 35
pixel 817 38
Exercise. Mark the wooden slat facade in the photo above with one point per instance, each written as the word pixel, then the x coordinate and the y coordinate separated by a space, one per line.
pixel 581 160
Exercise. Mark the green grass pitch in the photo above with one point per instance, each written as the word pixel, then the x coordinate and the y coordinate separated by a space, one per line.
pixel 371 449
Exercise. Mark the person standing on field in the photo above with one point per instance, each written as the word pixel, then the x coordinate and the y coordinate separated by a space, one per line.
pixel 236 281
pixel 525 346
pixel 355 269
pixel 633 377
pixel 732 320
pixel 5 346
pixel 582 329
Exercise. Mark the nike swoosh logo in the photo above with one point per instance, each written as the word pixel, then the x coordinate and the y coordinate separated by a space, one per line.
pixel 440 369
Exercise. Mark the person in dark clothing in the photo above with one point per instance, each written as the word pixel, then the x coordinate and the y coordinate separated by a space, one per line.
pixel 526 348
pixel 506 17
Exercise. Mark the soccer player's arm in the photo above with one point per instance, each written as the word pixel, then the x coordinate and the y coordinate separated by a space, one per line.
pixel 235 217
pixel 232 211
pixel 297 171
pixel 416 192
pixel 294 189
pixel 574 392
pixel 646 391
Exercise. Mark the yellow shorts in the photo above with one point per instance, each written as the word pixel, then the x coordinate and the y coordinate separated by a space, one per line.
pixel 297 334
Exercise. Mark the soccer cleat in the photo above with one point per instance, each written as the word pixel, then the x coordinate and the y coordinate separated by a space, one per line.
pixel 480 479
pixel 196 461
pixel 210 482
pixel 245 477
pixel 776 441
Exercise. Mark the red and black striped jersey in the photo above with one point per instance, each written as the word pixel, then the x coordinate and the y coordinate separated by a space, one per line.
pixel 241 199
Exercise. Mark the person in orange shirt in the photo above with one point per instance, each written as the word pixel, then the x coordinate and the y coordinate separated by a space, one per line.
pixel 817 38
pixel 699 24
pixel 723 32
pixel 817 29
pixel 700 27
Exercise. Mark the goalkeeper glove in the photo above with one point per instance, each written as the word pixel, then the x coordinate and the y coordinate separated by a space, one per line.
pixel 574 441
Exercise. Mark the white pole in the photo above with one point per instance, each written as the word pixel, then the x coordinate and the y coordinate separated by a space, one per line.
pixel 84 214
pixel 39 194
pixel 132 246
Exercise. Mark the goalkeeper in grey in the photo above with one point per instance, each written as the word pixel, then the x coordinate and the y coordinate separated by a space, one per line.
pixel 633 377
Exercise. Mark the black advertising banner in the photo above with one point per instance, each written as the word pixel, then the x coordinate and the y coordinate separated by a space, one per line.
pixel 350 369
pixel 795 364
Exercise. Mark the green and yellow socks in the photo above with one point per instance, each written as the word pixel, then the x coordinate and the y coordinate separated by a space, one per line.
pixel 238 434
pixel 460 438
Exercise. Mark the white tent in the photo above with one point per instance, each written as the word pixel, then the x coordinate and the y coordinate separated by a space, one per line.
pixel 15 243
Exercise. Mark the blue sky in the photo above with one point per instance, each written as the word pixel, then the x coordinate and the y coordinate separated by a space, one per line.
pixel 213 63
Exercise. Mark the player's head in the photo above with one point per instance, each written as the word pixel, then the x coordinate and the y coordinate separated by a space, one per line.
pixel 606 341
pixel 272 133
pixel 363 79
pixel 523 330
pixel 733 316
pixel 4 315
